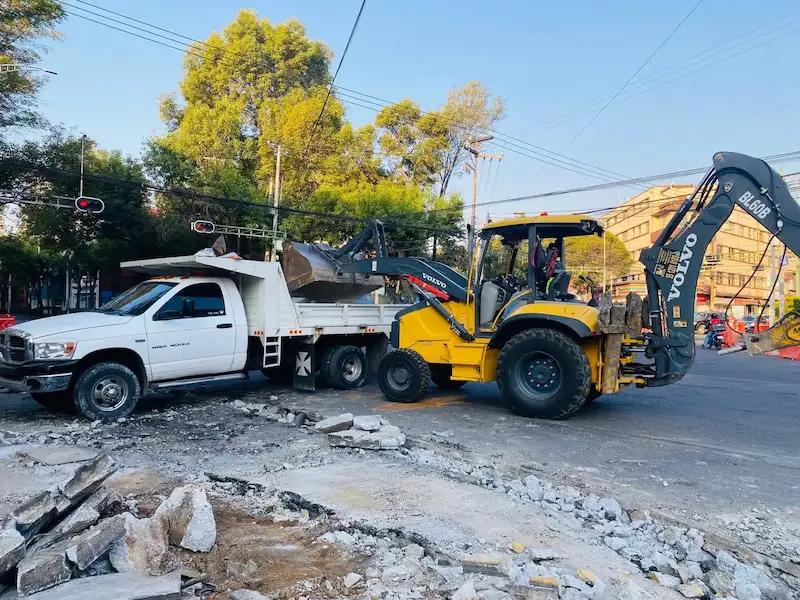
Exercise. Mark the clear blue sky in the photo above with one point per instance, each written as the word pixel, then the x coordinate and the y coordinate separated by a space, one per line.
pixel 543 58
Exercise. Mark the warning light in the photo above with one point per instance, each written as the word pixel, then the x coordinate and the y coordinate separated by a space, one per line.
pixel 89 204
pixel 543 214
pixel 203 226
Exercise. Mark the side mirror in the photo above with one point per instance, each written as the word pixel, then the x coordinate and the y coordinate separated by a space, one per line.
pixel 187 308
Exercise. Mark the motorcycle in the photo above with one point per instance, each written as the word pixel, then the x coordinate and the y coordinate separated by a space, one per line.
pixel 717 337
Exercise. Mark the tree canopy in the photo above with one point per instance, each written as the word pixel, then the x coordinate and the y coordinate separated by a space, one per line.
pixel 584 255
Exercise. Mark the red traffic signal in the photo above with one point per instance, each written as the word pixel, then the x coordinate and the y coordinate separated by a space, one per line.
pixel 89 204
pixel 203 226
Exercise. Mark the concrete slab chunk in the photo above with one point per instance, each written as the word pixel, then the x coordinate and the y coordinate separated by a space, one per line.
pixel 337 423
pixel 92 544
pixel 87 478
pixel 60 455
pixel 79 520
pixel 12 549
pixel 369 440
pixel 43 569
pixel 101 498
pixel 189 518
pixel 35 514
pixel 367 422
pixel 119 586
pixel 247 595
pixel 142 547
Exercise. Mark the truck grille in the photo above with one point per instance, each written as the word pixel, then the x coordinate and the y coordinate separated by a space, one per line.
pixel 13 348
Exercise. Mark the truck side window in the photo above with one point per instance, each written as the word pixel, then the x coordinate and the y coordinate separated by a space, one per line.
pixel 207 297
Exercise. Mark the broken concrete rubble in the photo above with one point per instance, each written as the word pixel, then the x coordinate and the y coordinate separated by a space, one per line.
pixel 367 422
pixel 247 595
pixel 35 514
pixel 12 548
pixel 94 543
pixel 189 518
pixel 43 569
pixel 334 424
pixel 80 519
pixel 117 586
pixel 141 547
pixel 88 477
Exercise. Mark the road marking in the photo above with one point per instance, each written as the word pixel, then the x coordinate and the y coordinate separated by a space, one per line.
pixel 436 402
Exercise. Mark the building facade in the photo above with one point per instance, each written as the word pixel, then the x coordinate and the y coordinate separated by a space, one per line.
pixel 730 258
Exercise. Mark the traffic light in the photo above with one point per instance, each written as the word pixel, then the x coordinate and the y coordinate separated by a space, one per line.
pixel 89 204
pixel 203 226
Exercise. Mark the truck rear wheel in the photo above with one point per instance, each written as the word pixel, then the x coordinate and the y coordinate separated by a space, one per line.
pixel 403 375
pixel 441 376
pixel 345 367
pixel 107 392
pixel 543 373
pixel 60 402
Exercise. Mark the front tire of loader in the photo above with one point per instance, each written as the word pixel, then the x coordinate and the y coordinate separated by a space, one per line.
pixel 403 376
pixel 543 373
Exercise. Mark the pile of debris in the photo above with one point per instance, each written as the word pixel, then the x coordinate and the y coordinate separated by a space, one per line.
pixel 681 558
pixel 366 431
pixel 62 536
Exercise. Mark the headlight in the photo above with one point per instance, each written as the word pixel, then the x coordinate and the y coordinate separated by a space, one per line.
pixel 50 350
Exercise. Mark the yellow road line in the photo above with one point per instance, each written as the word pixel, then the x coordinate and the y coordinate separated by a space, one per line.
pixel 435 402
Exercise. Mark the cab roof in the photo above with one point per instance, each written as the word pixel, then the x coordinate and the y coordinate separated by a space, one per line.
pixel 548 226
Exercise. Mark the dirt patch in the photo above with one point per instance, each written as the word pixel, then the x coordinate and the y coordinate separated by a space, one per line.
pixel 284 553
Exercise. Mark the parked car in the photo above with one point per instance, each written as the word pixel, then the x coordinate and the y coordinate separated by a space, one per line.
pixel 700 318
pixel 750 321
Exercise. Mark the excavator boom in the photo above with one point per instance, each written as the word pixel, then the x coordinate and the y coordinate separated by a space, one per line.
pixel 672 265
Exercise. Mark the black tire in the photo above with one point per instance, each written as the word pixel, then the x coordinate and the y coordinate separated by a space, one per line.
pixel 543 373
pixel 323 361
pixel 441 377
pixel 345 367
pixel 60 402
pixel 107 392
pixel 593 395
pixel 403 376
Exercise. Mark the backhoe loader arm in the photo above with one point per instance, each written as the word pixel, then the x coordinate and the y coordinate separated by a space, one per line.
pixel 672 265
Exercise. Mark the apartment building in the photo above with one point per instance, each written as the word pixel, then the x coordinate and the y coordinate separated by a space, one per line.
pixel 730 258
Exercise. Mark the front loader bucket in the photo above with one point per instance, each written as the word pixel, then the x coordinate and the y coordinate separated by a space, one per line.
pixel 312 273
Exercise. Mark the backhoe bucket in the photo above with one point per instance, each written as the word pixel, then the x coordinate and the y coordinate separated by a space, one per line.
pixel 311 272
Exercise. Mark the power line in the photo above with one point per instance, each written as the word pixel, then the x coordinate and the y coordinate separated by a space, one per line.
pixel 30 166
pixel 330 88
pixel 718 49
pixel 534 152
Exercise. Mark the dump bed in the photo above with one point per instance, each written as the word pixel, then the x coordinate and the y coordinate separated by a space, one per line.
pixel 270 310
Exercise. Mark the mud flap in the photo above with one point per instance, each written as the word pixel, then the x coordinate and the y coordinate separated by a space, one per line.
pixel 304 367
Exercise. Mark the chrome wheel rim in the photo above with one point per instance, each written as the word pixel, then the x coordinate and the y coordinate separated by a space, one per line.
pixel 110 393
pixel 352 368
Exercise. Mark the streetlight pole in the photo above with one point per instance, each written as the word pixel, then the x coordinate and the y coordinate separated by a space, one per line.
pixel 5 68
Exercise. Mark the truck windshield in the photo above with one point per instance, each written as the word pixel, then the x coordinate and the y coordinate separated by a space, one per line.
pixel 137 299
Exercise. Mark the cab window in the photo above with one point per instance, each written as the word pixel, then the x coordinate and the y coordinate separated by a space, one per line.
pixel 205 300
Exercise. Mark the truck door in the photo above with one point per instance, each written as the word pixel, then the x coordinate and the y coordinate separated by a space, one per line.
pixel 192 333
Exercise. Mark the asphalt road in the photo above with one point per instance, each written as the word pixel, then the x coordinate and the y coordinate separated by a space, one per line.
pixel 723 440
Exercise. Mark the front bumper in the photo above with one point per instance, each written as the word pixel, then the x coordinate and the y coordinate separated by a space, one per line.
pixel 37 377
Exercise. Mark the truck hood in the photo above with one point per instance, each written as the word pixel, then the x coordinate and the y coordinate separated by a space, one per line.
pixel 41 328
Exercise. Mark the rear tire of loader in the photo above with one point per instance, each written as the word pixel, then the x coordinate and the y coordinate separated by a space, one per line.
pixel 543 373
pixel 403 376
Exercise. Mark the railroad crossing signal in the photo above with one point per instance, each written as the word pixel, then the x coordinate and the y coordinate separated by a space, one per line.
pixel 89 204
pixel 203 226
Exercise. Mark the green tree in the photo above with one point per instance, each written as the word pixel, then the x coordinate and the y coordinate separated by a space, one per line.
pixel 23 24
pixel 584 256
pixel 87 243
pixel 427 149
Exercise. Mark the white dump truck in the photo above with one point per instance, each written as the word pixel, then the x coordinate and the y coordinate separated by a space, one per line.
pixel 198 320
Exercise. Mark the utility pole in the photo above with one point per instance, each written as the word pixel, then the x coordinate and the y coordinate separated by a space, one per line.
pixel 276 198
pixel 473 147
pixel 83 141
pixel 772 275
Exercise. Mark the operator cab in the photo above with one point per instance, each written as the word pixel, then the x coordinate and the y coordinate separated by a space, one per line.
pixel 522 260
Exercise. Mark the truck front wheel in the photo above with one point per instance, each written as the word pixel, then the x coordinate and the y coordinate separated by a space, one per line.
pixel 107 392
